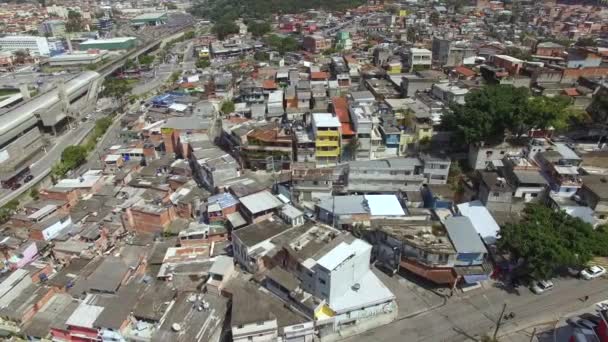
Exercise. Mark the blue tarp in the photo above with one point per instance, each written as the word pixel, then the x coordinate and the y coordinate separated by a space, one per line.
pixel 164 100
pixel 475 278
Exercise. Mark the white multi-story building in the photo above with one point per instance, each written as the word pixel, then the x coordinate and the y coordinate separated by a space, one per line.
pixel 36 46
pixel 418 59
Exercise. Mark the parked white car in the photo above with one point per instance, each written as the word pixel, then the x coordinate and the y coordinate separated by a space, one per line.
pixel 593 272
pixel 541 286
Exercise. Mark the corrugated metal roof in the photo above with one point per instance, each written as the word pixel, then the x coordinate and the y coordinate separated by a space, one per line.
pixel 463 235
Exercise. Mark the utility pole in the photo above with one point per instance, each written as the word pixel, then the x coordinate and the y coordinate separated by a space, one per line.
pixel 502 313
pixel 533 335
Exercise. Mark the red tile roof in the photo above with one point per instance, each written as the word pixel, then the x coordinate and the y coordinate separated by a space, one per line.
pixel 187 85
pixel 340 106
pixel 269 84
pixel 571 92
pixel 464 71
pixel 319 75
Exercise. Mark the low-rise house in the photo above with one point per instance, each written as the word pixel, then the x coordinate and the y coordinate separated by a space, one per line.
pixel 261 316
pixel 252 243
pixel 438 196
pixel 199 234
pixel 259 206
pixel 311 183
pixel 291 215
pixel 436 168
pixel 346 212
pixel 269 148
pixel 220 273
pixel 495 192
pixel 560 166
pixel 332 284
pixel 482 220
pixel 220 206
pixel 50 228
pixel 594 194
pixel 385 175
pixel 417 245
pixel 481 156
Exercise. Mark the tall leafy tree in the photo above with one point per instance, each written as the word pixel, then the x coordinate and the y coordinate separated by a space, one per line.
pixel 74 156
pixel 493 111
pixel 223 28
pixel 74 23
pixel 546 240
pixel 116 88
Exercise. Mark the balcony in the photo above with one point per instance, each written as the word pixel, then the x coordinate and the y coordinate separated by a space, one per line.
pixel 327 143
pixel 335 133
pixel 332 153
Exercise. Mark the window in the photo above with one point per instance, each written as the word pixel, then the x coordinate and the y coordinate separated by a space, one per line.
pixel 534 195
pixel 322 281
pixel 489 154
pixel 443 167
pixel 496 194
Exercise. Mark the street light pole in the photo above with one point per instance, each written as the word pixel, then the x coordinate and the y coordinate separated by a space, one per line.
pixel 502 313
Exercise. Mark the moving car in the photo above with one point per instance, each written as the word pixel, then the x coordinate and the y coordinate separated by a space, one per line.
pixel 593 272
pixel 586 324
pixel 591 318
pixel 541 286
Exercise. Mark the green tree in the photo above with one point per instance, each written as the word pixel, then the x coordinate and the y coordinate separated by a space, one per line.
pixel 586 41
pixel 263 9
pixel 227 107
pixel 203 63
pixel 434 18
pixel 492 111
pixel 261 56
pixel 146 59
pixel 411 34
pixel 20 56
pixel 546 240
pixel 258 28
pixel 518 53
pixel 116 88
pixel 224 28
pixel 12 205
pixel 129 64
pixel 74 23
pixel 34 194
pixel 101 126
pixel 175 76
pixel 73 156
pixel 189 35
pixel 5 215
pixel 282 44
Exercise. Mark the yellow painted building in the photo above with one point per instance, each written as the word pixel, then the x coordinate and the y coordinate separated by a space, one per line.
pixel 393 68
pixel 326 128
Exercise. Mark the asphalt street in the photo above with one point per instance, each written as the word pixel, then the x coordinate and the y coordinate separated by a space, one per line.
pixel 467 317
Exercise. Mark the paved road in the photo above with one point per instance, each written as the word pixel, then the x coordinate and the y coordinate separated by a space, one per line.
pixel 474 315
